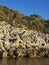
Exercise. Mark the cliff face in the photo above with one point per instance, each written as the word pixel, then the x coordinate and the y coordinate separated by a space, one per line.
pixel 22 42
pixel 22 35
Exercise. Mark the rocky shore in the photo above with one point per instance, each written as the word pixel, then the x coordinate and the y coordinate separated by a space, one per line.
pixel 15 42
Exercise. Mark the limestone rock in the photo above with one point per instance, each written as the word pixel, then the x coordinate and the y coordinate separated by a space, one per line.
pixel 23 42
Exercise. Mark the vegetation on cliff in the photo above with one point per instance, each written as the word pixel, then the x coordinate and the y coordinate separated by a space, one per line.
pixel 17 19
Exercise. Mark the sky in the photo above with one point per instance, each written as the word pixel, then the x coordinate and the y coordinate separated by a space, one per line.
pixel 28 7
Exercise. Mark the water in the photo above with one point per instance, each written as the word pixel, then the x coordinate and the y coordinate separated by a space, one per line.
pixel 25 61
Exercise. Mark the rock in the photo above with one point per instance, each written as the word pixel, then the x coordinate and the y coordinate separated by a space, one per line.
pixel 21 42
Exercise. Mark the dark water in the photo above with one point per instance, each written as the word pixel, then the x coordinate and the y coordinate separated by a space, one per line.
pixel 25 61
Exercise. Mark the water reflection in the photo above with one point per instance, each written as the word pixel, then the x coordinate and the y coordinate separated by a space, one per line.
pixel 25 61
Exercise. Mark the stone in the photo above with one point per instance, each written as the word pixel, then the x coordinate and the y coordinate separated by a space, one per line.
pixel 21 42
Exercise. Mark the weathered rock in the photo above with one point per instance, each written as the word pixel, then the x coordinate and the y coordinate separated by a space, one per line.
pixel 21 42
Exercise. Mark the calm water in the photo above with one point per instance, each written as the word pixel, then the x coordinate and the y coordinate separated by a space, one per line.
pixel 25 61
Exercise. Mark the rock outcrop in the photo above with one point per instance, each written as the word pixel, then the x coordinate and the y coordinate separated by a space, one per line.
pixel 21 42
